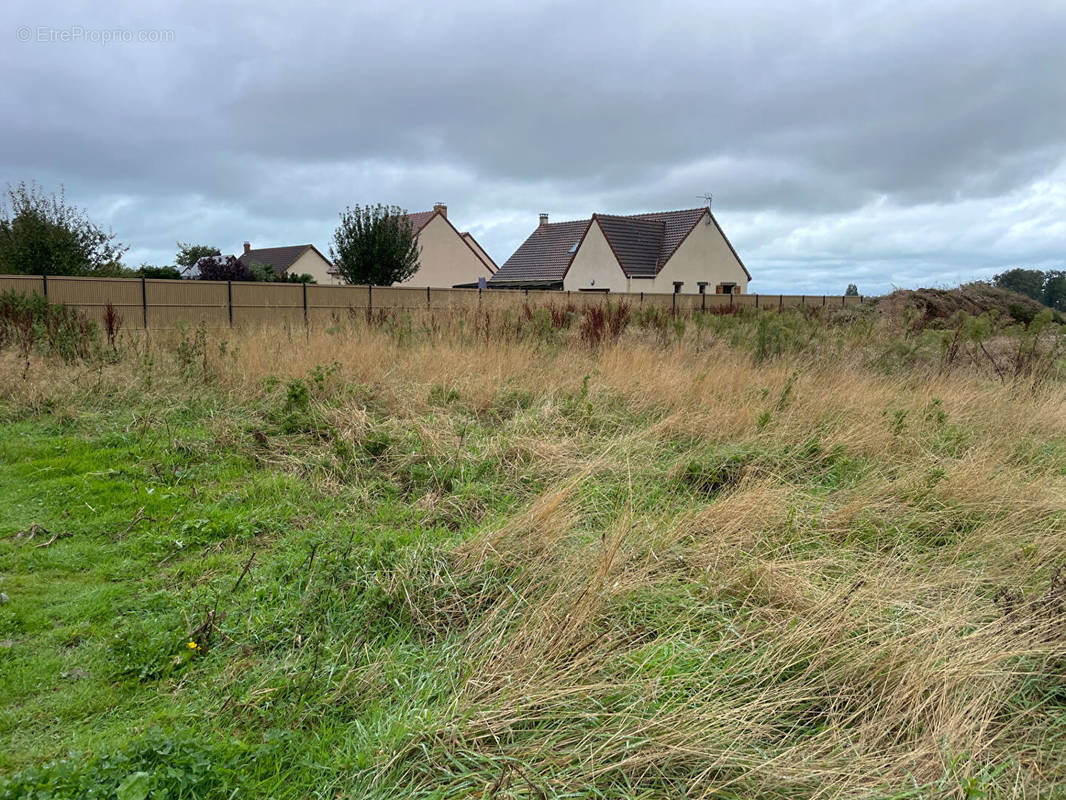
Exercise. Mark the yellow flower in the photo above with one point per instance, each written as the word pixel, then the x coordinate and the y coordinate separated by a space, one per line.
pixel 194 646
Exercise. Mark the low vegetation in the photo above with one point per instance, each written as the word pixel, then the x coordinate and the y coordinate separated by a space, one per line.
pixel 537 554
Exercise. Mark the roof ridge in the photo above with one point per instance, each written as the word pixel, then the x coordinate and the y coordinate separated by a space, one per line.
pixel 630 218
pixel 641 216
pixel 672 211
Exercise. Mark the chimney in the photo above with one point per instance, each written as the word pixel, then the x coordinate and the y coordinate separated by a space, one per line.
pixel 443 209
pixel 543 219
pixel 247 247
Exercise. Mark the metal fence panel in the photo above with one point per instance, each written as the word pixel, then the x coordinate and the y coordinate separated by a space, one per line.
pixel 24 284
pixel 265 303
pixel 92 295
pixel 453 300
pixel 718 300
pixel 191 302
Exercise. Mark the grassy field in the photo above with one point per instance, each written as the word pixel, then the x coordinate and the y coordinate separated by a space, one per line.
pixel 733 557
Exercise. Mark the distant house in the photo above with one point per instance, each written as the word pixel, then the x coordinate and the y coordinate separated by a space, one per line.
pixel 670 251
pixel 293 260
pixel 447 257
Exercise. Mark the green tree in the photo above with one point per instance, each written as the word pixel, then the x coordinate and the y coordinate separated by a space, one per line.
pixel 41 235
pixel 148 271
pixel 189 254
pixel 851 291
pixel 375 245
pixel 1029 282
pixel 261 272
pixel 1055 289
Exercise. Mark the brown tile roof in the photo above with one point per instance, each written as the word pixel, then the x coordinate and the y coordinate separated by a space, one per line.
pixel 545 255
pixel 642 243
pixel 420 219
pixel 636 243
pixel 277 258
pixel 678 225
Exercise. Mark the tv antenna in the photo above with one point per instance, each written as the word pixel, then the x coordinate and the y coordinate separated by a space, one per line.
pixel 707 198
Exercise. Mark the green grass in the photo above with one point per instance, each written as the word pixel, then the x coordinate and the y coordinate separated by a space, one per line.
pixel 396 590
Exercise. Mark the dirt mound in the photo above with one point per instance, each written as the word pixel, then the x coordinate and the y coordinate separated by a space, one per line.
pixel 930 305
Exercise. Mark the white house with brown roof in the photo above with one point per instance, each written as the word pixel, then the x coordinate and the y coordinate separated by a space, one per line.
pixel 293 260
pixel 447 257
pixel 671 251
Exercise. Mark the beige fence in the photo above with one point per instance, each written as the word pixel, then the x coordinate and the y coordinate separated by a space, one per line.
pixel 149 303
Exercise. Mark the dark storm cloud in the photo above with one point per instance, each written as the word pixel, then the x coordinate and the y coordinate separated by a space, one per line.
pixel 820 128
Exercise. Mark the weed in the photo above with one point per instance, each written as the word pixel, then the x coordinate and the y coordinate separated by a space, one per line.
pixel 605 323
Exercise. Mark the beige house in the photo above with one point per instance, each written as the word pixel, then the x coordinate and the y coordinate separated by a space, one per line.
pixel 447 257
pixel 298 259
pixel 671 251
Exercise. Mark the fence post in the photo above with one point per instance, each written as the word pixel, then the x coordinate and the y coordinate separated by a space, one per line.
pixel 780 302
pixel 703 301
pixel 730 299
pixel 673 304
pixel 823 301
pixel 229 300
pixel 305 303
pixel 756 299
pixel 429 304
pixel 369 302
pixel 144 303
pixel 44 285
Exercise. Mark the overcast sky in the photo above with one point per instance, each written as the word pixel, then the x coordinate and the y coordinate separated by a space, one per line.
pixel 881 143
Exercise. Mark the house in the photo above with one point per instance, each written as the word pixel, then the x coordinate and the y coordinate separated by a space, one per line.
pixel 447 258
pixel 293 260
pixel 670 251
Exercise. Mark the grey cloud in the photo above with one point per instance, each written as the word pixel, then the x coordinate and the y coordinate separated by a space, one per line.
pixel 266 121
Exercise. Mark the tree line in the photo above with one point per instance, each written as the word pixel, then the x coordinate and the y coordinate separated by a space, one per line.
pixel 1044 286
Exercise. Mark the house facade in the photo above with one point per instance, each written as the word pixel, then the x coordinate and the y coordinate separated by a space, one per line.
pixel 672 251
pixel 447 257
pixel 298 259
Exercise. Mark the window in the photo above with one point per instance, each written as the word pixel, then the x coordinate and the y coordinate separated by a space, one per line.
pixel 703 286
pixel 726 288
pixel 677 286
